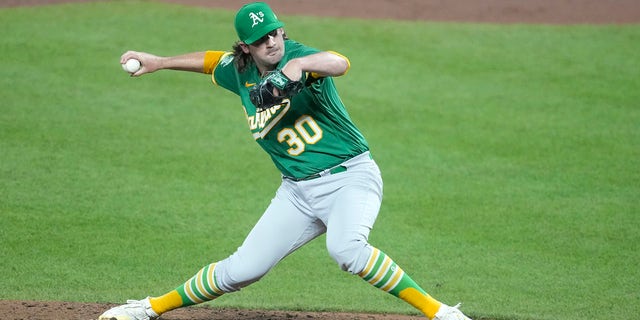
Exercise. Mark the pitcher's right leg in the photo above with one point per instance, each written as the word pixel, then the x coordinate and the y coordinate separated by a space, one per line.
pixel 282 229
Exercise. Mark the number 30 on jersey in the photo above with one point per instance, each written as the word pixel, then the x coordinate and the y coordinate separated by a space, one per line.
pixel 305 131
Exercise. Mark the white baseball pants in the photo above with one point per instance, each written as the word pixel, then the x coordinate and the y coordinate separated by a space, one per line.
pixel 344 205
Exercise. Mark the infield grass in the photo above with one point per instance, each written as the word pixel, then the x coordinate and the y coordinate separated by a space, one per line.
pixel 511 159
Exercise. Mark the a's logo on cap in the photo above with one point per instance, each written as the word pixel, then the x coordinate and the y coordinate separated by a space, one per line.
pixel 257 18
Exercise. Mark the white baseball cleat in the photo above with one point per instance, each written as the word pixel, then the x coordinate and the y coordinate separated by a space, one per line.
pixel 450 313
pixel 133 310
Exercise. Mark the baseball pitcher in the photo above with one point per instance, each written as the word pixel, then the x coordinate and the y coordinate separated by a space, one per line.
pixel 330 183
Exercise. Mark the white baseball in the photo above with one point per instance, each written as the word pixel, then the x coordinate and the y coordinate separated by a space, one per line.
pixel 131 66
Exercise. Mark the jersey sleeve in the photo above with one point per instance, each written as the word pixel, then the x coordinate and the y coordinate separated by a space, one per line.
pixel 211 60
pixel 224 73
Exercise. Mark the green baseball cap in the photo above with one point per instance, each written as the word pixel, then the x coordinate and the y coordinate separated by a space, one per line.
pixel 254 20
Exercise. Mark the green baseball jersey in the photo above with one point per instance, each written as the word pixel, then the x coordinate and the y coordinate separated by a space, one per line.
pixel 307 133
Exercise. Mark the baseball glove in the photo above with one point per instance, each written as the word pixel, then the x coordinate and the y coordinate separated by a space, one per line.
pixel 273 89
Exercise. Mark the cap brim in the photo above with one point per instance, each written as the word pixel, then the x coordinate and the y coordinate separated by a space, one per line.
pixel 264 30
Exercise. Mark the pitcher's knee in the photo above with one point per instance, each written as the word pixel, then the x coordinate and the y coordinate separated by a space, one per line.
pixel 235 276
pixel 350 256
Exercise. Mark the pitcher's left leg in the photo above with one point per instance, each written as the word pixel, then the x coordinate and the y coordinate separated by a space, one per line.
pixel 383 273
pixel 355 209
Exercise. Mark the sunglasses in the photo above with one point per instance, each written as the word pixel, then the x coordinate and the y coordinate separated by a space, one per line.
pixel 265 38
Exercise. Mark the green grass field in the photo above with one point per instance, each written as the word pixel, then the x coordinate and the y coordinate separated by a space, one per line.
pixel 510 153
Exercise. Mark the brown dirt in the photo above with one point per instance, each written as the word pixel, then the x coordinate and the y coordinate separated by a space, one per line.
pixel 48 310
pixel 484 11
pixel 489 11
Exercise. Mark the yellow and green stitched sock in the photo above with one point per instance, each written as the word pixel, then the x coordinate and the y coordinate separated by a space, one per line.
pixel 384 274
pixel 200 288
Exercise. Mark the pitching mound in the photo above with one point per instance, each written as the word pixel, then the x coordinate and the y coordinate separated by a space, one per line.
pixel 38 310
